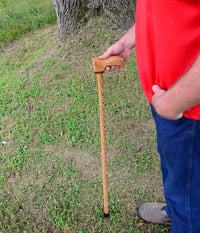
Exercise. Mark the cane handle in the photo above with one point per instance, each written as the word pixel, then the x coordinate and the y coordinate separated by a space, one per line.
pixel 99 65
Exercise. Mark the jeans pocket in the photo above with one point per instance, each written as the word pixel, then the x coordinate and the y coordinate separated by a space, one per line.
pixel 165 120
pixel 171 121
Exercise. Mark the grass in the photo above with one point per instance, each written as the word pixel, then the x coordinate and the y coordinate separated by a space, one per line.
pixel 20 16
pixel 50 177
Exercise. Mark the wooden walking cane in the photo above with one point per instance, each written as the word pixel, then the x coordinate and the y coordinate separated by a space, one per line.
pixel 99 67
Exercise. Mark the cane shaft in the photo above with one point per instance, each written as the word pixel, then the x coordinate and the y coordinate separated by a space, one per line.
pixel 103 142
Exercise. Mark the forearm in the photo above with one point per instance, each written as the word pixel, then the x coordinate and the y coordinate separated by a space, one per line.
pixel 183 95
pixel 122 47
pixel 128 40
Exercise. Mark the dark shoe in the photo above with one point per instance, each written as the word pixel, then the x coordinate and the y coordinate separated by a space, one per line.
pixel 154 212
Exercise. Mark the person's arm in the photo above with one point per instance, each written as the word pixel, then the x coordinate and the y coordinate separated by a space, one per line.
pixel 183 95
pixel 122 47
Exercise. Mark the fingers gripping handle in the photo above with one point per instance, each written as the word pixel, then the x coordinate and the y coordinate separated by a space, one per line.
pixel 100 65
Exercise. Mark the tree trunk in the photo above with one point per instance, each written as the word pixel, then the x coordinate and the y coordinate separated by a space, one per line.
pixel 122 12
pixel 73 13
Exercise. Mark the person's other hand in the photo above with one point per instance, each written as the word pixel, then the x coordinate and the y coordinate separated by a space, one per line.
pixel 161 105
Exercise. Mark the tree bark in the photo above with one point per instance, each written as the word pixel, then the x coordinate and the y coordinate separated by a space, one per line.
pixel 122 12
pixel 71 14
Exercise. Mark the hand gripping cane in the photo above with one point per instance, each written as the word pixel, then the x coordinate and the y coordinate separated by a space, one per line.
pixel 99 67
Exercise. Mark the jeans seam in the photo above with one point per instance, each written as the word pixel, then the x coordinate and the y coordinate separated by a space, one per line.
pixel 188 191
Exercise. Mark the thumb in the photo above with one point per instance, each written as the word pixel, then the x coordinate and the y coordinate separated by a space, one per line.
pixel 107 54
pixel 156 88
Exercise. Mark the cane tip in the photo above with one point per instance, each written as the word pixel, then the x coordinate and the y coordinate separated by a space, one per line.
pixel 106 215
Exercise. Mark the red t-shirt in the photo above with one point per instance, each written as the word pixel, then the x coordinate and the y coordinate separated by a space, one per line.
pixel 167 43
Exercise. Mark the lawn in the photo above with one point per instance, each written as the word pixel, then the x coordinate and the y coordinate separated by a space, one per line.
pixel 50 177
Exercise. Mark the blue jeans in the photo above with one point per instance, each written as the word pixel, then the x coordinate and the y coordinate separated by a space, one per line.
pixel 178 144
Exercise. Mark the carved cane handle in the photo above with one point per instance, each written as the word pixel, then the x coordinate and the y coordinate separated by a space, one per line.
pixel 100 64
